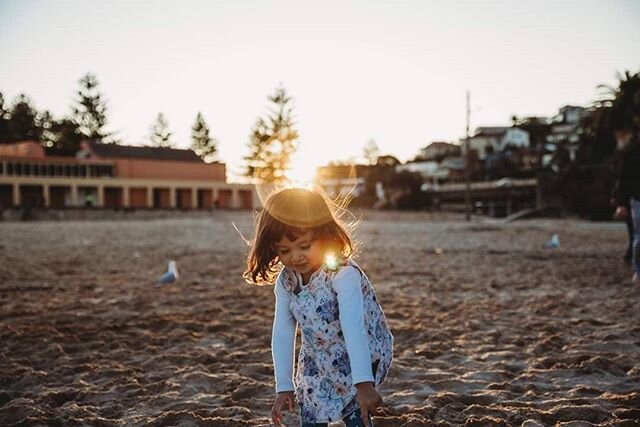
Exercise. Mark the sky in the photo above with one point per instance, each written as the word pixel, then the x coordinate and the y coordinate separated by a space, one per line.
pixel 392 71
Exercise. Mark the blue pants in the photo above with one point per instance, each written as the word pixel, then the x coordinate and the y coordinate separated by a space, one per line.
pixel 635 215
pixel 354 419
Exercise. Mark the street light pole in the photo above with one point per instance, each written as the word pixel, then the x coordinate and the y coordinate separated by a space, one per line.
pixel 467 165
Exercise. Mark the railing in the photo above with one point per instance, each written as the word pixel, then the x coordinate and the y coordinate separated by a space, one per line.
pixel 34 169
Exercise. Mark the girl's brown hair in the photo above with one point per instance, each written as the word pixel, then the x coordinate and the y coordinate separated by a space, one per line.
pixel 291 213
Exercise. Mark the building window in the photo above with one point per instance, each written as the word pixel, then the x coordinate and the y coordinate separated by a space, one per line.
pixel 107 171
pixel 43 169
pixel 1 168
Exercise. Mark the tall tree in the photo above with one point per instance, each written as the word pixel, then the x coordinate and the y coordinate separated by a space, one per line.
pixel 4 121
pixel 90 109
pixel 371 152
pixel 62 138
pixel 46 121
pixel 625 103
pixel 617 110
pixel 201 142
pixel 23 121
pixel 273 140
pixel 160 135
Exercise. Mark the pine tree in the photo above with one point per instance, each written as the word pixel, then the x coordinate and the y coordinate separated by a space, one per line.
pixel 160 135
pixel 46 121
pixel 23 124
pixel 89 111
pixel 62 138
pixel 4 121
pixel 201 142
pixel 272 141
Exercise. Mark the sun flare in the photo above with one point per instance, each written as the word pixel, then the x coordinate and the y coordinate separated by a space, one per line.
pixel 331 261
pixel 303 171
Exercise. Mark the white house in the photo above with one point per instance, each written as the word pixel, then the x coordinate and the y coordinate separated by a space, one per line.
pixel 498 138
pixel 513 137
pixel 565 130
pixel 484 137
pixel 438 150
pixel 569 114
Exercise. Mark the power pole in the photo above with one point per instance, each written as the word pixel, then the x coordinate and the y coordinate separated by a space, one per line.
pixel 467 165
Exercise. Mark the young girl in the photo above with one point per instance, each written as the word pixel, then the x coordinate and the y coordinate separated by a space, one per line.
pixel 346 346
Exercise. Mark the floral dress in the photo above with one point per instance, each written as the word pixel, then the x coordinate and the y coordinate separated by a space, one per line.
pixel 324 387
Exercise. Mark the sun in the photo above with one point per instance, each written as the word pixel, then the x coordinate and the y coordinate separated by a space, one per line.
pixel 302 172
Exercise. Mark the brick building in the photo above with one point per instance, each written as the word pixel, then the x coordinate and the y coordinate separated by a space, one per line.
pixel 116 176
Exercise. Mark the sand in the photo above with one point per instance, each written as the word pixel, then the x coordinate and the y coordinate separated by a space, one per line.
pixel 490 328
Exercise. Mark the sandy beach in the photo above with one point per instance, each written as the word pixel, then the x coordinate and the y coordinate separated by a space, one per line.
pixel 491 329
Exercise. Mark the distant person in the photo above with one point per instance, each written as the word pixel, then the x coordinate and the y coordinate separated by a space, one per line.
pixel 346 346
pixel 628 195
pixel 628 255
pixel 617 200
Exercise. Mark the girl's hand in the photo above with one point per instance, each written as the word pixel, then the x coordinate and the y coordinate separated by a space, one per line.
pixel 282 399
pixel 369 400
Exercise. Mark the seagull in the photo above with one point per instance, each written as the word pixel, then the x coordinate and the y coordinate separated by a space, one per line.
pixel 554 242
pixel 170 276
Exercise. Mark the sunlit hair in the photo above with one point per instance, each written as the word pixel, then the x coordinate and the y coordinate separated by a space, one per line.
pixel 292 212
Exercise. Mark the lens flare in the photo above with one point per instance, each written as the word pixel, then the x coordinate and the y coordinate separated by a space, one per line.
pixel 331 261
pixel 301 174
pixel 303 169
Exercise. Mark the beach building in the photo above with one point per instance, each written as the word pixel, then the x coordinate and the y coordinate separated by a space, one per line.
pixel 566 130
pixel 489 139
pixel 438 150
pixel 116 176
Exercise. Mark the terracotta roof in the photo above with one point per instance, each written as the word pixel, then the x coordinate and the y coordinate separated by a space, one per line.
pixel 110 151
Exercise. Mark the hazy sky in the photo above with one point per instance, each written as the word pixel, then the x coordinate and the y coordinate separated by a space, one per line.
pixel 394 71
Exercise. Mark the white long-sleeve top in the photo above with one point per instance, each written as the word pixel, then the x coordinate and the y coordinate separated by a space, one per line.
pixel 348 291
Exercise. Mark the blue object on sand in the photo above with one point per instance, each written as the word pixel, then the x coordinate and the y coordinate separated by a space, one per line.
pixel 170 276
pixel 554 242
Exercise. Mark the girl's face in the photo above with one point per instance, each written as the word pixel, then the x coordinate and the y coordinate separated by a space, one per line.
pixel 304 254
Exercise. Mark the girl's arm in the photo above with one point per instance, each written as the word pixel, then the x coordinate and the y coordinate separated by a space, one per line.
pixel 283 340
pixel 350 300
pixel 346 283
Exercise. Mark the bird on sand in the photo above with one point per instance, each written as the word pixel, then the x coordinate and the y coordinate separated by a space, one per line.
pixel 170 276
pixel 554 242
